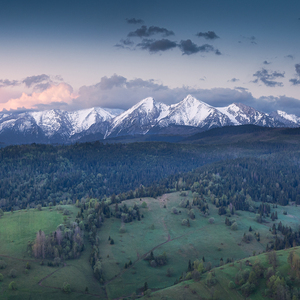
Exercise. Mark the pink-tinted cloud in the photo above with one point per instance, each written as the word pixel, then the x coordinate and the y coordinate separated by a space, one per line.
pixel 61 93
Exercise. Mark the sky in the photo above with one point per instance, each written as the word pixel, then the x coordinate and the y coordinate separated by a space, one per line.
pixel 80 54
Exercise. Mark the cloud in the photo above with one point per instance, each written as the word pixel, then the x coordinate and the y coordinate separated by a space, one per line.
pixel 61 93
pixel 7 83
pixel 267 77
pixel 125 44
pixel 209 35
pixel 297 67
pixel 29 81
pixel 266 63
pixel 134 21
pixel 188 47
pixel 233 80
pixel 294 81
pixel 251 39
pixel 119 92
pixel 290 56
pixel 156 45
pixel 240 88
pixel 144 31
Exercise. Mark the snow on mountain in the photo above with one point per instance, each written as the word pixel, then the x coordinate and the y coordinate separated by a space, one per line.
pixel 289 120
pixel 241 114
pixel 147 116
pixel 192 112
pixel 139 118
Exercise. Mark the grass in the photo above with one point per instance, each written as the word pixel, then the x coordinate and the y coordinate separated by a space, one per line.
pixel 181 243
pixel 159 231
pixel 199 290
pixel 15 231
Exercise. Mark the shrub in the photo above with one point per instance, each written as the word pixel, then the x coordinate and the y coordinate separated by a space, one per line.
pixel 234 226
pixel 12 273
pixel 211 220
pixel 39 207
pixel 184 222
pixel 66 288
pixel 1 212
pixel 144 204
pixel 2 264
pixel 191 214
pixel 285 212
pixel 231 285
pixel 174 210
pixel 1 277
pixel 183 194
pixel 12 286
pixel 66 212
pixel 183 203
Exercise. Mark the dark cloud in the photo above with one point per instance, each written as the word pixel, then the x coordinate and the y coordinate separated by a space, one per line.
pixel 266 62
pixel 156 45
pixel 109 83
pixel 134 21
pixel 290 56
pixel 294 81
pixel 29 81
pixel 188 47
pixel 209 35
pixel 125 44
pixel 297 68
pixel 240 88
pixel 217 52
pixel 233 80
pixel 144 31
pixel 267 77
pixel 42 86
pixel 7 83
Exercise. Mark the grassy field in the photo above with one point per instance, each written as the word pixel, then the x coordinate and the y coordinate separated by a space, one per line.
pixel 199 290
pixel 19 227
pixel 161 231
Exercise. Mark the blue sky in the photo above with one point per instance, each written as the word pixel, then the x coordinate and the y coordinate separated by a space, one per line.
pixel 79 54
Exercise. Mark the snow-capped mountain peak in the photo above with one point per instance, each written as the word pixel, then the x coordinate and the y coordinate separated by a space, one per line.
pixel 145 117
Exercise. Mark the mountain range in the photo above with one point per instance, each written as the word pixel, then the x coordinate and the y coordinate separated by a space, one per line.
pixel 147 117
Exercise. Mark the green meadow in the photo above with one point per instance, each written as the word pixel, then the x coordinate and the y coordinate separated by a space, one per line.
pixel 161 231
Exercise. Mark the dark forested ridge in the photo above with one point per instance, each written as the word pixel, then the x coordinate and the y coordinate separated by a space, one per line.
pixel 41 174
pixel 45 173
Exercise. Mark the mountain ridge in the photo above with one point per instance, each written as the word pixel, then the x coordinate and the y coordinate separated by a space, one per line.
pixel 147 117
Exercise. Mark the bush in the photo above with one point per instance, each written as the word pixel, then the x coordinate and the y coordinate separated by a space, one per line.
pixel 1 277
pixel 174 211
pixel 144 204
pixel 12 273
pixel 211 220
pixel 12 286
pixel 39 207
pixel 66 212
pixel 191 214
pixel 66 288
pixel 231 285
pixel 2 264
pixel 184 222
pixel 1 212
pixel 234 226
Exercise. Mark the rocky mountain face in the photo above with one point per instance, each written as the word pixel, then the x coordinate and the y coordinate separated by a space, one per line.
pixel 146 117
